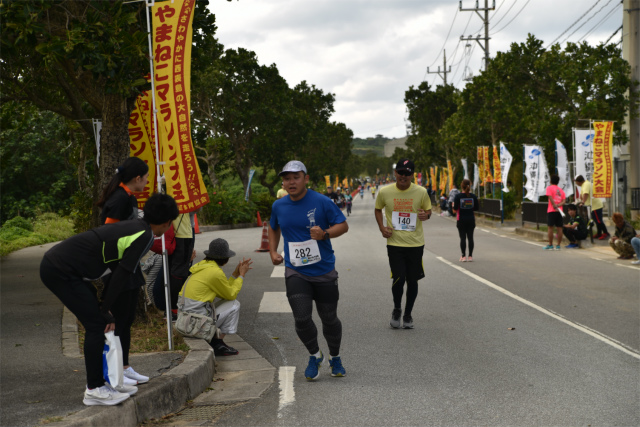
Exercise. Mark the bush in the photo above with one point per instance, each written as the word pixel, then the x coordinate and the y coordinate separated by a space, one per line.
pixel 19 233
pixel 226 208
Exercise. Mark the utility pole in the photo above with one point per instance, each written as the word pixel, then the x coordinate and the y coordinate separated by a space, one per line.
pixel 631 52
pixel 485 19
pixel 445 72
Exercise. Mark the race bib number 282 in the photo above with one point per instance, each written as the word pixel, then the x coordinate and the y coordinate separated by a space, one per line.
pixel 304 253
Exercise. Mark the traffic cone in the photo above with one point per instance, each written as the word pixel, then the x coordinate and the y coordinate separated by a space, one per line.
pixel 197 227
pixel 264 244
pixel 259 220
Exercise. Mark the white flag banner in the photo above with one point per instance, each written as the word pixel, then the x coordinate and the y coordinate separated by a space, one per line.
pixel 465 167
pixel 535 171
pixel 476 176
pixel 563 169
pixel 505 164
pixel 584 153
pixel 97 128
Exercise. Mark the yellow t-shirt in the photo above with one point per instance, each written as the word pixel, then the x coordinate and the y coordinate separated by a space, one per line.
pixel 182 226
pixel 594 202
pixel 281 193
pixel 405 202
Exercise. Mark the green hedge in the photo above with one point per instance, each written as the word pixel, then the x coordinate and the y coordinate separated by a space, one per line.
pixel 18 233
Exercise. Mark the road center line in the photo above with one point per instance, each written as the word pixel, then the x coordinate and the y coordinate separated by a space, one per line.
pixel 287 393
pixel 595 334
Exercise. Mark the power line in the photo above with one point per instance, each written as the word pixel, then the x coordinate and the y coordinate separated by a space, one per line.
pixel 570 26
pixel 443 45
pixel 599 23
pixel 520 11
pixel 614 33
pixel 505 14
pixel 584 23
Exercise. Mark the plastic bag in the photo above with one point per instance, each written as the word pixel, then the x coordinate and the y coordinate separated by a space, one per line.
pixel 112 368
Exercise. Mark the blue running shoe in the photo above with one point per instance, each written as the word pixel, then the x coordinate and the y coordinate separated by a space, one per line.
pixel 557 247
pixel 337 370
pixel 548 248
pixel 312 373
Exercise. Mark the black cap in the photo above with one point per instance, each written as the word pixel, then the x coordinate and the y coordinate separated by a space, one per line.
pixel 405 165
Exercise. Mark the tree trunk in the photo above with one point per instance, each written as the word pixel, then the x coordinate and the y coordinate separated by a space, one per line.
pixel 114 139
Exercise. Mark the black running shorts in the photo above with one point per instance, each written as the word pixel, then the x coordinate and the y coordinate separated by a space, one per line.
pixel 406 262
pixel 554 219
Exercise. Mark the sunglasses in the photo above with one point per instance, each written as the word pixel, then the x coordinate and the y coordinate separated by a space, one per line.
pixel 404 173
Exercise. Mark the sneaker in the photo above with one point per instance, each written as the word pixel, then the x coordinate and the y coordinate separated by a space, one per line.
pixel 636 262
pixel 571 246
pixel 222 349
pixel 337 370
pixel 469 259
pixel 395 318
pixel 129 381
pixel 604 236
pixel 463 259
pixel 133 375
pixel 312 371
pixel 597 236
pixel 548 248
pixel 557 247
pixel 407 322
pixel 128 389
pixel 104 395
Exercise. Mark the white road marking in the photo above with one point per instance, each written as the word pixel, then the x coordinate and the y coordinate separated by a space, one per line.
pixel 278 271
pixel 615 263
pixel 274 302
pixel 287 393
pixel 595 334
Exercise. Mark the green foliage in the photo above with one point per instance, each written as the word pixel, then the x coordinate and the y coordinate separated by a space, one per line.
pixel 81 211
pixel 375 144
pixel 226 208
pixel 18 233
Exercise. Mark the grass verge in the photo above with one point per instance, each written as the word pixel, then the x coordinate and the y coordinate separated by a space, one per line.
pixel 19 233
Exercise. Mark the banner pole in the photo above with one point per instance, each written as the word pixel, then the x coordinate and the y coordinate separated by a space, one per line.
pixel 501 205
pixel 165 259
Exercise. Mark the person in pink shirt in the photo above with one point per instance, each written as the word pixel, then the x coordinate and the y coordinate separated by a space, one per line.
pixel 554 212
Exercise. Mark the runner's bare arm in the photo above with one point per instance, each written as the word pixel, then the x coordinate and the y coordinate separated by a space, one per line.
pixel 386 231
pixel 274 241
pixel 424 215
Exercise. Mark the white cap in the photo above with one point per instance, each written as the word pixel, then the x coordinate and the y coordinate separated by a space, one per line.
pixel 293 166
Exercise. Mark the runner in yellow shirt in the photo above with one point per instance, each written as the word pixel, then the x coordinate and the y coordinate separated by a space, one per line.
pixel 405 206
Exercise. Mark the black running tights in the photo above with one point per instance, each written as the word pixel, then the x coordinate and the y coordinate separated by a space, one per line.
pixel 412 293
pixel 465 229
pixel 301 295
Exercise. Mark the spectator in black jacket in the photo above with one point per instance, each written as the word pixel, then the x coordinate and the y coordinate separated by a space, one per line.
pixel 575 229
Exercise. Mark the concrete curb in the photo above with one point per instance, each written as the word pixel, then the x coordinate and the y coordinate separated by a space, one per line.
pixel 161 396
pixel 227 226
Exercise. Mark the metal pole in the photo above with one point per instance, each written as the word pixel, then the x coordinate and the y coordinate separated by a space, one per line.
pixel 165 259
pixel 501 205
pixel 523 177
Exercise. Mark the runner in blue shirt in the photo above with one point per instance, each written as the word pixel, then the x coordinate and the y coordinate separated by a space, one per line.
pixel 308 220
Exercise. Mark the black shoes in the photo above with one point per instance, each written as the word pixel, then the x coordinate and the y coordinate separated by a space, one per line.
pixel 222 349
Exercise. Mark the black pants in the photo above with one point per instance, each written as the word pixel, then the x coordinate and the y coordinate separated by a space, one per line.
pixel 81 298
pixel 573 235
pixel 179 264
pixel 406 266
pixel 465 230
pixel 124 310
pixel 301 294
pixel 596 216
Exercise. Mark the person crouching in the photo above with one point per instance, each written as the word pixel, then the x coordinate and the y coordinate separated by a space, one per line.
pixel 208 287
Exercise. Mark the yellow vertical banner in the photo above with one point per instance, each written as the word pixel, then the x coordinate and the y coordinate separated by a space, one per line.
pixel 481 165
pixel 450 174
pixel 171 35
pixel 602 159
pixel 443 181
pixel 433 178
pixel 487 166
pixel 142 142
pixel 351 183
pixel 327 179
pixel 345 183
pixel 497 171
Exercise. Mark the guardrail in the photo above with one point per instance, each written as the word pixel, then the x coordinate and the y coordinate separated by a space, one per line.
pixel 535 213
pixel 490 207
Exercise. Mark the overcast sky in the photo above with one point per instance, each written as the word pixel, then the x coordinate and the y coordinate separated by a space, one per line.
pixel 369 52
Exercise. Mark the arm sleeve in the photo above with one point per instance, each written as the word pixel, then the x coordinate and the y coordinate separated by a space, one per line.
pixel 228 289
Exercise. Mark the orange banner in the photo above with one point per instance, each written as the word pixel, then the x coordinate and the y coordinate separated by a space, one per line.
pixel 602 159
pixel 172 34
pixel 487 166
pixel 327 179
pixel 433 178
pixel 443 181
pixel 449 174
pixel 142 143
pixel 497 171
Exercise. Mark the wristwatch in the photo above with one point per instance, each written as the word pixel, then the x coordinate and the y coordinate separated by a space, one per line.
pixel 326 236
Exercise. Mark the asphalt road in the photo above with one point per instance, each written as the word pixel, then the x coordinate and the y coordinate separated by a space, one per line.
pixel 518 337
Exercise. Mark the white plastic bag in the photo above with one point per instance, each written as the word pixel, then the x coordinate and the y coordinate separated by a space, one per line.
pixel 112 369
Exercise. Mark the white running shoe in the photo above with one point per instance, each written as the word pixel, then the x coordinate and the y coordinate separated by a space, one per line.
pixel 104 395
pixel 133 375
pixel 129 381
pixel 129 389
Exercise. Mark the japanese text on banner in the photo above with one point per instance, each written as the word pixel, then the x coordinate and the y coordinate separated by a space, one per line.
pixel 602 159
pixel 142 143
pixel 172 34
pixel 497 171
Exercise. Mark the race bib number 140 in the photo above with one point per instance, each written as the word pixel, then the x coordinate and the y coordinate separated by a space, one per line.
pixel 304 253
pixel 404 221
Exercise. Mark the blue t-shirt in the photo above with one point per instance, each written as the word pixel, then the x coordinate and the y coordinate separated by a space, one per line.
pixel 295 220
